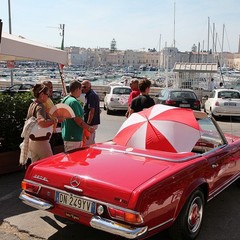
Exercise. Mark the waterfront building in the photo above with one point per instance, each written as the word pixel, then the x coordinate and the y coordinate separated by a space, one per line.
pixel 150 59
pixel 165 59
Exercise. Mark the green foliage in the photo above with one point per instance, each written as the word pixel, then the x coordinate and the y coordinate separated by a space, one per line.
pixel 13 111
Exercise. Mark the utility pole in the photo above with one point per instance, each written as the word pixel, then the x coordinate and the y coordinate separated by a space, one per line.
pixel 60 66
pixel 62 28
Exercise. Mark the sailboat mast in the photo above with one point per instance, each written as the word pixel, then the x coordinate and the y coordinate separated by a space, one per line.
pixel 213 41
pixel 208 50
pixel 208 34
pixel 174 26
pixel 222 46
pixel 159 64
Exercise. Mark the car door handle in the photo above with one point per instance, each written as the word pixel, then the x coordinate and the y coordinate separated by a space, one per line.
pixel 215 165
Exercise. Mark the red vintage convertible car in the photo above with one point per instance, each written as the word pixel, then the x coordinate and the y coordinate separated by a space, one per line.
pixel 134 192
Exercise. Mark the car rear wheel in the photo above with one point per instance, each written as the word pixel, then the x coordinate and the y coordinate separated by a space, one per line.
pixel 189 221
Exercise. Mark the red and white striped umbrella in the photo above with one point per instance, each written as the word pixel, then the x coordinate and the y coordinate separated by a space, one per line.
pixel 160 127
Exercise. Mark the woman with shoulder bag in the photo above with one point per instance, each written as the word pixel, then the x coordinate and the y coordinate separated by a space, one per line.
pixel 39 146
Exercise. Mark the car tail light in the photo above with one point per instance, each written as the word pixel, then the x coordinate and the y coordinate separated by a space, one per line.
pixel 112 99
pixel 123 215
pixel 216 103
pixel 30 187
pixel 197 103
pixel 170 102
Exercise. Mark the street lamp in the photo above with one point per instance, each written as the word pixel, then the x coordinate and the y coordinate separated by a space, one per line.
pixel 1 30
pixel 9 16
pixel 10 31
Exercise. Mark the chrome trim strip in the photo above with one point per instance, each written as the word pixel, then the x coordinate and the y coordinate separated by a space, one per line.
pixel 219 190
pixel 35 201
pixel 146 155
pixel 73 188
pixel 161 224
pixel 83 197
pixel 117 228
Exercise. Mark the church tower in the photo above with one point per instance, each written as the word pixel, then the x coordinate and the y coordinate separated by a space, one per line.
pixel 113 46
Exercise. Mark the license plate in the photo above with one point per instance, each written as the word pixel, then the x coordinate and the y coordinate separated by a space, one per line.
pixel 184 105
pixel 76 202
pixel 233 104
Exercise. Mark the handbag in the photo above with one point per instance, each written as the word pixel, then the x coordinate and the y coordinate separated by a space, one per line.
pixel 38 133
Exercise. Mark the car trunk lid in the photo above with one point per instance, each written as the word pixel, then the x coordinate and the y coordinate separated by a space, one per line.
pixel 102 173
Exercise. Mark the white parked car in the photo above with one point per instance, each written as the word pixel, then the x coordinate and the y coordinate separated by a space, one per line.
pixel 116 98
pixel 223 102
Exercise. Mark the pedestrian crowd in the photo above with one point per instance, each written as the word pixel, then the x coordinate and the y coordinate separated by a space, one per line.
pixel 76 131
pixel 40 125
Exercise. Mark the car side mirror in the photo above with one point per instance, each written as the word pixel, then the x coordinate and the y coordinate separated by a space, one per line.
pixel 104 93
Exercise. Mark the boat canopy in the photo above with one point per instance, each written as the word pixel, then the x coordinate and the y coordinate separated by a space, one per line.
pixel 195 67
pixel 14 48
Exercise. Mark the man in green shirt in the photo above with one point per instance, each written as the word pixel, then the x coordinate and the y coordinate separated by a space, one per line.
pixel 72 128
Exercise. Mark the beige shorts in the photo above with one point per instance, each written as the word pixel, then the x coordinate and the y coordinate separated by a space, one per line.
pixel 40 149
pixel 72 145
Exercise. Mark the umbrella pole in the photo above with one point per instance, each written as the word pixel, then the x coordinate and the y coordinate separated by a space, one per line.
pixel 60 68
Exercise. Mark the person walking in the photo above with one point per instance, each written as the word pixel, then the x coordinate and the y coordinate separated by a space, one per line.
pixel 212 85
pixel 72 129
pixel 143 100
pixel 135 92
pixel 91 109
pixel 38 147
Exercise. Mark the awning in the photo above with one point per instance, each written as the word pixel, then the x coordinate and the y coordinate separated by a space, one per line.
pixel 17 49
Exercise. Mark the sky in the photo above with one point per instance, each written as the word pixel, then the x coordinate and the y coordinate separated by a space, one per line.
pixel 134 24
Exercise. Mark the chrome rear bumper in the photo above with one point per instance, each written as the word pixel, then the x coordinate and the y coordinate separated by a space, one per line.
pixel 97 222
pixel 35 201
pixel 116 228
